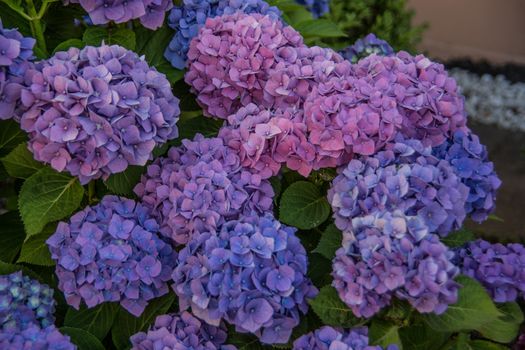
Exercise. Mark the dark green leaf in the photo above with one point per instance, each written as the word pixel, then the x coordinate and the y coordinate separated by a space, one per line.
pixel 20 162
pixel 384 333
pixel 422 337
pixel 485 345
pixel 110 36
pixel 505 328
pixel 12 236
pixel 318 267
pixel 65 45
pixel 243 341
pixel 97 320
pixel 35 250
pixel 331 240
pixel 190 126
pixel 321 28
pixel 331 310
pixel 10 136
pixel 82 339
pixel 458 238
pixel 303 206
pixel 277 186
pixel 124 182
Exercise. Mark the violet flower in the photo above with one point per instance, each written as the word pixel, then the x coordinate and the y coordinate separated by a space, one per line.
pixel 367 46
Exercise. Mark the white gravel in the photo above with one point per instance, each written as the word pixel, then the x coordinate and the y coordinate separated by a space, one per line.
pixel 492 99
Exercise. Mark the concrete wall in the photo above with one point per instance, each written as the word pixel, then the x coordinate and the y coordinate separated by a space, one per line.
pixel 480 29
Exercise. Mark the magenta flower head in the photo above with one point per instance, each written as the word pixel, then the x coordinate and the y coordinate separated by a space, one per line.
pixel 35 338
pixel 407 177
pixel 328 338
pixel 251 273
pixel 391 254
pixel 229 60
pixel 181 331
pixel 111 252
pixel 93 112
pixel 199 186
pixel 16 54
pixel 151 13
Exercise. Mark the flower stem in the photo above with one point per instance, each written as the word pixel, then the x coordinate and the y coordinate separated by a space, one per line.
pixel 91 191
pixel 36 24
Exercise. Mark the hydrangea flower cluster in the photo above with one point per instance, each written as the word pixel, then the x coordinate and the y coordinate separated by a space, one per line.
pixel 181 331
pixel 35 338
pixel 317 7
pixel 151 13
pixel 469 159
pixel 328 338
pixel 16 53
pixel 391 254
pixel 188 18
pixel 230 59
pixel 23 302
pixel 97 110
pixel 252 273
pixel 367 46
pixel 407 177
pixel 111 253
pixel 199 186
pixel 499 268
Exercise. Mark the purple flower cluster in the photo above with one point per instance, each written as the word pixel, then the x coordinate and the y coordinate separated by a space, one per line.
pixel 406 176
pixel 111 252
pixel 390 254
pixel 188 18
pixel 499 268
pixel 252 273
pixel 199 186
pixel 23 302
pixel 328 338
pixel 181 331
pixel 317 7
pixel 97 110
pixel 367 46
pixel 16 52
pixel 151 13
pixel 230 59
pixel 469 159
pixel 35 338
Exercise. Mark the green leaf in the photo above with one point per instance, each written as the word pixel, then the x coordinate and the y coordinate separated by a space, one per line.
pixel 318 266
pixel 303 206
pixel 35 251
pixel 10 136
pixel 47 196
pixel 473 309
pixel 485 345
pixel 124 182
pixel 12 236
pixel 97 320
pixel 320 28
pixel 331 240
pixel 458 238
pixel 20 162
pixel 190 126
pixel 422 337
pixel 96 35
pixel 65 45
pixel 277 186
pixel 460 343
pixel 243 341
pixel 126 324
pixel 384 333
pixel 82 339
pixel 505 328
pixel 331 310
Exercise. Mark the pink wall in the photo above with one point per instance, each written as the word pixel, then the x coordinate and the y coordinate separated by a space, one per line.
pixel 480 29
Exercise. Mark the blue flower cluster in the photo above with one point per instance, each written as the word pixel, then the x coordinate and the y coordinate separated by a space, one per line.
pixel 188 18
pixel 35 338
pixel 469 159
pixel 367 46
pixel 252 274
pixel 317 7
pixel 112 252
pixel 391 254
pixel 328 338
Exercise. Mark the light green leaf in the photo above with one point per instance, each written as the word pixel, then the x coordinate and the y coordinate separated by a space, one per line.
pixel 65 45
pixel 97 320
pixel 458 238
pixel 35 251
pixel 384 333
pixel 47 196
pixel 331 240
pixel 82 339
pixel 422 337
pixel 12 236
pixel 124 182
pixel 20 162
pixel 303 206
pixel 320 28
pixel 505 328
pixel 10 136
pixel 331 310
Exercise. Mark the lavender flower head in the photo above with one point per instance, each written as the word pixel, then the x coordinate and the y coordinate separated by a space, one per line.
pixel 469 159
pixel 406 176
pixel 317 7
pixel 230 58
pixel 181 331
pixel 499 268
pixel 191 15
pixel 328 338
pixel 35 338
pixel 111 253
pixel 97 110
pixel 367 46
pixel 199 186
pixel 23 302
pixel 252 273
pixel 151 13
pixel 16 54
pixel 391 254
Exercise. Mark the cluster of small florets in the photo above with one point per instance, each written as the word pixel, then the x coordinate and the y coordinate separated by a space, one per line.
pixel 499 268
pixel 35 338
pixel 469 159
pixel 111 253
pixel 24 301
pixel 181 331
pixel 97 110
pixel 317 7
pixel 200 185
pixel 252 274
pixel 328 338
pixel 230 59
pixel 151 13
pixel 16 53
pixel 191 15
pixel 407 177
pixel 389 255
pixel 367 46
